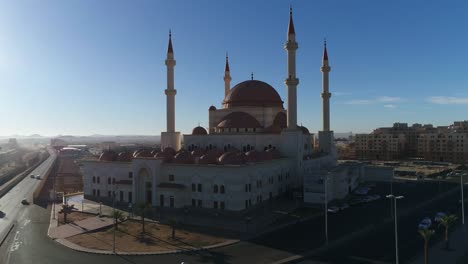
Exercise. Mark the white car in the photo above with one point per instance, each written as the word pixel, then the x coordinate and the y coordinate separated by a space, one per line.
pixel 333 209
pixel 425 223
pixel 38 177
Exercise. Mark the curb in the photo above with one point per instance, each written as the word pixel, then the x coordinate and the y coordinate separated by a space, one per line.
pixel 7 233
pixel 73 246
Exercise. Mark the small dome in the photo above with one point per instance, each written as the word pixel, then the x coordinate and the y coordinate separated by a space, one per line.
pixel 125 157
pixel 208 158
pixel 108 155
pixel 232 158
pixel 183 157
pixel 164 156
pixel 144 154
pixel 304 130
pixel 273 129
pixel 199 131
pixel 253 156
pixel 212 108
pixel 253 93
pixel 198 152
pixel 170 151
pixel 275 154
pixel 280 120
pixel 239 120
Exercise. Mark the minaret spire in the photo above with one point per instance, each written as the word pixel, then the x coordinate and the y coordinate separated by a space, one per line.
pixel 227 77
pixel 291 81
pixel 169 46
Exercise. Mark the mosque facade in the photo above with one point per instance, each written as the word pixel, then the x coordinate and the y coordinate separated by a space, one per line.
pixel 252 151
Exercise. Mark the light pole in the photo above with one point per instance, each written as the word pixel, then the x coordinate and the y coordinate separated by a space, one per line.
pixel 326 208
pixel 462 200
pixel 394 198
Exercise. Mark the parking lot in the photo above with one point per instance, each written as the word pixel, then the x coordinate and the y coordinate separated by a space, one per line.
pixel 379 243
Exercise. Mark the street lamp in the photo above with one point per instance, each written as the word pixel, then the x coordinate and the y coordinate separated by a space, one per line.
pixel 394 198
pixel 462 200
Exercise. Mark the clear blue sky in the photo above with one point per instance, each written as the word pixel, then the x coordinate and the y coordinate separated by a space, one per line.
pixel 86 67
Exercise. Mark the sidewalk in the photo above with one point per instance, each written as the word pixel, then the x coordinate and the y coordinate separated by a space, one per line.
pixel 438 253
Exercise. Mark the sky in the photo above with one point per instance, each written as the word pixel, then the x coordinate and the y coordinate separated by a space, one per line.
pixel 97 67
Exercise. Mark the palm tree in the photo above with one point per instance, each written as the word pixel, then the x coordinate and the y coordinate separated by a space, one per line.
pixel 447 221
pixel 173 224
pixel 142 207
pixel 65 209
pixel 118 216
pixel 426 235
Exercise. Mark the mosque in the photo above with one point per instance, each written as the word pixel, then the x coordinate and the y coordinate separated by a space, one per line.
pixel 252 151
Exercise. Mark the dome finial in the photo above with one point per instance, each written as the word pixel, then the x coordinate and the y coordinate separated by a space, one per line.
pixel 251 76
pixel 226 68
pixel 325 54
pixel 291 30
pixel 169 47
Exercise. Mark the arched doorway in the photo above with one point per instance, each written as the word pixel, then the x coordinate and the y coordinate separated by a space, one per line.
pixel 144 186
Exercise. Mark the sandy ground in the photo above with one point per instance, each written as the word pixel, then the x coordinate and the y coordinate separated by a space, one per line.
pixel 157 238
pixel 73 216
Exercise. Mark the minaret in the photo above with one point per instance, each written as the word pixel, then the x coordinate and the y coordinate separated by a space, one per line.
pixel 326 135
pixel 227 77
pixel 170 138
pixel 170 91
pixel 291 81
pixel 325 92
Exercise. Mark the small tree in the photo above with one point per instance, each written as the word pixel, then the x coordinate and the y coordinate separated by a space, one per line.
pixel 173 224
pixel 65 209
pixel 142 210
pixel 447 221
pixel 118 216
pixel 426 235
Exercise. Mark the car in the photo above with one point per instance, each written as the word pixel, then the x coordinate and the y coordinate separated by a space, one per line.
pixel 344 206
pixel 38 177
pixel 32 176
pixel 333 209
pixel 439 216
pixel 425 223
pixel 24 201
pixel 362 191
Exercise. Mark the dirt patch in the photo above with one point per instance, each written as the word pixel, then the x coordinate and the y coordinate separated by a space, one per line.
pixel 157 238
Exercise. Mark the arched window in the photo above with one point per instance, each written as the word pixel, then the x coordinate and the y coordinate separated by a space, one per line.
pixel 109 180
pixel 94 179
pixel 244 149
pixel 248 147
pixel 98 181
pixel 94 192
pixel 215 188
pixel 113 180
pixel 221 189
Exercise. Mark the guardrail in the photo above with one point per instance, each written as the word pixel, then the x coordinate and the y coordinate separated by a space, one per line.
pixel 10 184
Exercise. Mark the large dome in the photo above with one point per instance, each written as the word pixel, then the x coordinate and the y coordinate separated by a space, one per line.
pixel 253 93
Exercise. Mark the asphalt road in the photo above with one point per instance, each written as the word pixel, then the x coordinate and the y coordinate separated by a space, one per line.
pixel 10 203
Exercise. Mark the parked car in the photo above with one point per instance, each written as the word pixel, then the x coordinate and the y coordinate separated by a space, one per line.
pixel 38 177
pixel 344 206
pixel 333 209
pixel 439 216
pixel 32 176
pixel 24 201
pixel 425 223
pixel 362 191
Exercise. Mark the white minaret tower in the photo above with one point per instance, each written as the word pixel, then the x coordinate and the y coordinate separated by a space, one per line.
pixel 227 78
pixel 326 135
pixel 170 138
pixel 291 81
pixel 325 92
